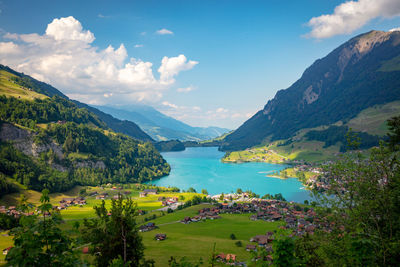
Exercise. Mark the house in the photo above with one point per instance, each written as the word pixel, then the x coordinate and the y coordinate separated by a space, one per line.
pixel 220 256
pixel 251 247
pixel 103 196
pixel 150 191
pixel 230 257
pixel 6 250
pixel 160 237
pixel 85 250
pixel 186 220
pixel 147 227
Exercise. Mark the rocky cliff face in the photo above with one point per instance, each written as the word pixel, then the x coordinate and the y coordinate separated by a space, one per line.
pixel 23 140
pixel 334 88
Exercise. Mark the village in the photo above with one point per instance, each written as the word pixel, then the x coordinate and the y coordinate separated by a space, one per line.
pixel 299 219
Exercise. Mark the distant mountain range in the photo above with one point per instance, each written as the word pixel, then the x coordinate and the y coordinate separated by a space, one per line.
pixel 162 127
pixel 361 73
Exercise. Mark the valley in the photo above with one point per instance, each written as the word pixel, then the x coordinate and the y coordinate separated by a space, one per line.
pixel 302 182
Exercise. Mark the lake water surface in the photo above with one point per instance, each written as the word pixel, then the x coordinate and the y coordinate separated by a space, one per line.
pixel 201 168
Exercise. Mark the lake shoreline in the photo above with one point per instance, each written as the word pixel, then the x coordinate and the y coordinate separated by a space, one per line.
pixel 202 168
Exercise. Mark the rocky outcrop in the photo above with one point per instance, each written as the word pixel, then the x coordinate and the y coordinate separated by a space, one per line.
pixel 23 140
pixel 90 164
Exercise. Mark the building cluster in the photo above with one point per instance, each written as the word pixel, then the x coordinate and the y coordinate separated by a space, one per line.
pixel 66 202
pixel 204 214
pixel 167 201
pixel 146 192
pixel 299 219
pixel 147 227
pixel 12 211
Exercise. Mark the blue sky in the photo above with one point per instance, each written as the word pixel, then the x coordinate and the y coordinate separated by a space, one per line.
pixel 235 54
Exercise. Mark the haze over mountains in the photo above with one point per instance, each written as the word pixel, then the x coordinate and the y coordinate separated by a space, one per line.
pixel 361 73
pixel 160 126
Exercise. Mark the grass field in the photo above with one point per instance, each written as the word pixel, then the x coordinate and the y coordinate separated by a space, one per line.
pixel 196 240
pixel 9 88
pixel 373 120
pixel 259 154
pixel 5 242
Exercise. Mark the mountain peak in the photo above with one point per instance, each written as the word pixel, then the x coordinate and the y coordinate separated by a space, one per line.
pixel 362 72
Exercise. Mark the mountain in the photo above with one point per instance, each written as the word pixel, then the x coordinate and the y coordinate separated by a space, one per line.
pixel 49 141
pixel 125 127
pixel 160 126
pixel 361 73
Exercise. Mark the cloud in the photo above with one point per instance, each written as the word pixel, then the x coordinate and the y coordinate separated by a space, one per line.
pixel 222 110
pixel 68 29
pixel 170 67
pixel 138 45
pixel 164 32
pixel 102 16
pixel 9 48
pixel 143 33
pixel 65 57
pixel 185 90
pixel 167 104
pixel 350 16
pixel 395 29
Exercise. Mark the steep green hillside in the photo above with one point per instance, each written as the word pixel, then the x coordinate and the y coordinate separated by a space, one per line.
pixel 357 75
pixel 19 85
pixel 49 142
pixel 324 142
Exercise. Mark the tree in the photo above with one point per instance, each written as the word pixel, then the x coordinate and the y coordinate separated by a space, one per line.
pixel 239 191
pixel 362 208
pixel 38 241
pixel 114 233
pixel 394 132
pixel 283 246
pixel 204 191
pixel 191 190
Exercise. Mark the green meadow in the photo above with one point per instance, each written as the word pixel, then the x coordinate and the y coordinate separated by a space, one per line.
pixel 195 240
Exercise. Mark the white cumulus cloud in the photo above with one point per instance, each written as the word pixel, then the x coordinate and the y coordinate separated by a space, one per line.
pixel 68 29
pixel 65 57
pixel 170 67
pixel 164 32
pixel 350 16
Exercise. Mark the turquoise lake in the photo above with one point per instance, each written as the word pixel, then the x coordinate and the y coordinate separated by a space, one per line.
pixel 201 168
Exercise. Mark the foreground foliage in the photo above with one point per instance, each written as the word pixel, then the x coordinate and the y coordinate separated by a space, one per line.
pixel 114 235
pixel 362 207
pixel 39 241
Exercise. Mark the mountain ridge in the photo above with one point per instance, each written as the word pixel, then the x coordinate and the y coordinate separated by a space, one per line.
pixel 331 89
pixel 160 126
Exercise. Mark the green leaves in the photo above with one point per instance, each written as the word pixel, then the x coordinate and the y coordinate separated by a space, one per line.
pixel 114 234
pixel 38 240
